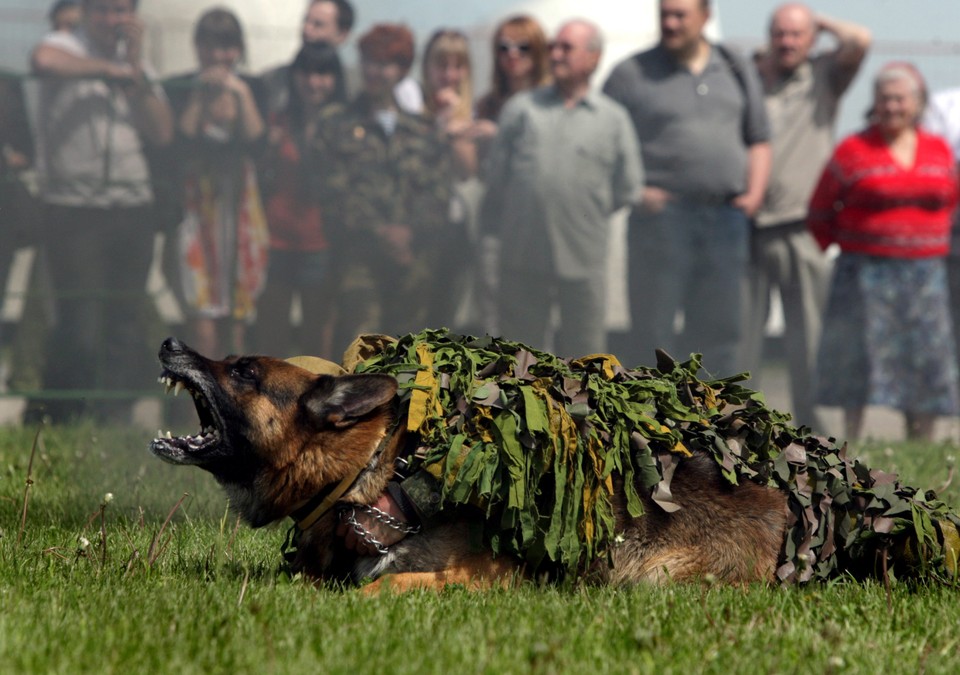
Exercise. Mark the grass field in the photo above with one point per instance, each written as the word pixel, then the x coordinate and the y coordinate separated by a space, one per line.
pixel 94 584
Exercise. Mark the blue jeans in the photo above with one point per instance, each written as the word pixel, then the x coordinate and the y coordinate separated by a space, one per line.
pixel 691 258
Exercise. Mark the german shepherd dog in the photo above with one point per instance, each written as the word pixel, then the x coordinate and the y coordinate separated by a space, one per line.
pixel 275 436
pixel 285 442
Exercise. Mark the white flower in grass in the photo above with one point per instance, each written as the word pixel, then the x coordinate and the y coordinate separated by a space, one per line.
pixel 83 543
pixel 107 498
pixel 950 460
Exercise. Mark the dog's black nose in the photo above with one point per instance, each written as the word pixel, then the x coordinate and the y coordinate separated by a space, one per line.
pixel 172 346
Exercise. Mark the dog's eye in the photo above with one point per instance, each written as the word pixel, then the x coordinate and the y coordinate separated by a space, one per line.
pixel 244 370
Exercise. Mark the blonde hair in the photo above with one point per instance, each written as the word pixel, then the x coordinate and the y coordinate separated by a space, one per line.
pixel 447 44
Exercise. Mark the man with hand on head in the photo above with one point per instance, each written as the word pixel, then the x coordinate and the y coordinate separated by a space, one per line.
pixel 802 91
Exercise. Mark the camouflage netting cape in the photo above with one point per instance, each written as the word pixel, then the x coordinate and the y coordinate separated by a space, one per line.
pixel 537 441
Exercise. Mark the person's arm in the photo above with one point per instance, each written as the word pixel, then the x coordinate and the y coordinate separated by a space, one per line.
pixel 822 212
pixel 52 60
pixel 211 84
pixel 464 149
pixel 756 137
pixel 252 126
pixel 759 160
pixel 329 174
pixel 853 41
pixel 628 176
pixel 457 132
pixel 151 113
pixel 497 169
pixel 188 124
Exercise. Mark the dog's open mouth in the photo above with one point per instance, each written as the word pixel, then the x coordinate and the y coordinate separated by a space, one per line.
pixel 192 448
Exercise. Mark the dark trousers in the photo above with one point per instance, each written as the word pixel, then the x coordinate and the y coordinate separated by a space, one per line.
pixel 375 294
pixel 528 298
pixel 787 257
pixel 99 260
pixel 689 258
pixel 306 275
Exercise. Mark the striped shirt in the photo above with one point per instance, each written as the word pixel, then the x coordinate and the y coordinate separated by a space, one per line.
pixel 868 203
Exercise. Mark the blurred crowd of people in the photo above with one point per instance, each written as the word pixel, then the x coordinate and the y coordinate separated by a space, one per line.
pixel 298 213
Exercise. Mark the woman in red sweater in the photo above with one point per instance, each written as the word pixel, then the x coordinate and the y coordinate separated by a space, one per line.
pixel 886 199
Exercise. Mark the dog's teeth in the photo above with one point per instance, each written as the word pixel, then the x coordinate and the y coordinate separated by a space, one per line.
pixel 177 388
pixel 169 435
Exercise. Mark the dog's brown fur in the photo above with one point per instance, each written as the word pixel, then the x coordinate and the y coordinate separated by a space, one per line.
pixel 285 434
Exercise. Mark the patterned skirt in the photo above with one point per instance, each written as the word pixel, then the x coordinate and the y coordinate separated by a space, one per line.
pixel 223 242
pixel 887 336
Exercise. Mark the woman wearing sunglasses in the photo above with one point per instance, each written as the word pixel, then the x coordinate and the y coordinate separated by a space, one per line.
pixel 521 61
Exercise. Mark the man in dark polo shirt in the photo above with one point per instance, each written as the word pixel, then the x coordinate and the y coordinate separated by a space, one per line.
pixel 699 114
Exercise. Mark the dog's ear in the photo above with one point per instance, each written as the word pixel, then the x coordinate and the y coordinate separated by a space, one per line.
pixel 341 401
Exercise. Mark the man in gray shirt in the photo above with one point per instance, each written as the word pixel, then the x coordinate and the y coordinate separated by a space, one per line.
pixel 564 161
pixel 802 92
pixel 698 111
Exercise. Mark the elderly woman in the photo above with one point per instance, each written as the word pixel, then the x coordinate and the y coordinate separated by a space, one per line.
pixel 384 178
pixel 886 198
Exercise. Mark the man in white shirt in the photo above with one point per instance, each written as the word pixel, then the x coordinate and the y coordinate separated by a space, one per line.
pixel 802 90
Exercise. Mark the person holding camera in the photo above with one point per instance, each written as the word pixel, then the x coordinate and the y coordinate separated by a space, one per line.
pixel 222 239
